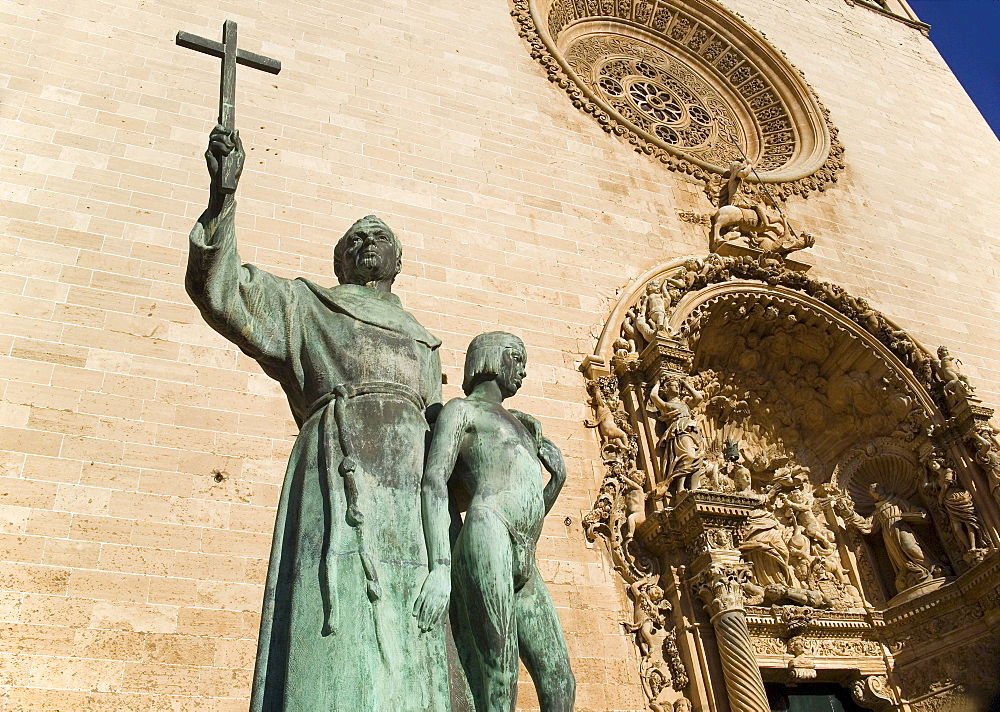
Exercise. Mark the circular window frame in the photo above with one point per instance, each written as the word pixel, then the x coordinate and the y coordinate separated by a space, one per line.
pixel 817 157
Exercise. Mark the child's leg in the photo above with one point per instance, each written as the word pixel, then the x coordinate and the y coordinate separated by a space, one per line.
pixel 543 647
pixel 483 588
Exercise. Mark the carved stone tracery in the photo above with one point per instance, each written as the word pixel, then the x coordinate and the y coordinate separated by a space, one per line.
pixel 687 83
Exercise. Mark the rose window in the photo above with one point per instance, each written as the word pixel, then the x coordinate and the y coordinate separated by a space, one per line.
pixel 669 103
pixel 655 101
pixel 688 83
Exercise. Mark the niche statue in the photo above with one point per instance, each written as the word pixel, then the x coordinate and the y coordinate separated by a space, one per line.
pixel 337 628
pixel 500 604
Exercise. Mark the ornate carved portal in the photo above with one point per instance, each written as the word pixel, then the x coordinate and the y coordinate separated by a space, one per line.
pixel 795 491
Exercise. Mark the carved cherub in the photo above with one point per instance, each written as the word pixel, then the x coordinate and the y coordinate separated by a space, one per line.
pixel 635 504
pixel 956 385
pixel 801 507
pixel 867 317
pixel 800 666
pixel 612 436
pixel 648 610
pixel 685 278
pixel 656 304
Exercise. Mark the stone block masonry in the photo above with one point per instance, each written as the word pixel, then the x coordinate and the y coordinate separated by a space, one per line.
pixel 142 454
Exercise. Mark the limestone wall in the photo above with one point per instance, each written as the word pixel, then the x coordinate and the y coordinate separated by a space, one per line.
pixel 143 453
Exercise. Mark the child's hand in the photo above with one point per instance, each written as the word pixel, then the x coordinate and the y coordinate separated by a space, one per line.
pixel 433 599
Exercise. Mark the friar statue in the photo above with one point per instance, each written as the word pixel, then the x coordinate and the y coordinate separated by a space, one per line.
pixel 348 558
pixel 501 608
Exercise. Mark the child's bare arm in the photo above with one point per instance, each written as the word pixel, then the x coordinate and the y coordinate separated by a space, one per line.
pixel 444 449
pixel 553 461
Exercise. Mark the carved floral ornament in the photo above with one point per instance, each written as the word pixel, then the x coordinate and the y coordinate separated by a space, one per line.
pixel 689 83
pixel 756 419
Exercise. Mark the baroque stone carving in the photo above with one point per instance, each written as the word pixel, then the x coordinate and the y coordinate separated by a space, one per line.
pixel 764 229
pixel 911 560
pixel 959 509
pixel 688 84
pixel 681 445
pixel 801 667
pixel 761 405
pixel 720 588
pixel 873 691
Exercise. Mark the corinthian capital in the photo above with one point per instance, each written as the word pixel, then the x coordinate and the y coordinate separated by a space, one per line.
pixel 720 587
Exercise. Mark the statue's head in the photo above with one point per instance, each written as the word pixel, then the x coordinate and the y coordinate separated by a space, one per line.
pixel 942 351
pixel 876 491
pixel 369 252
pixel 495 355
pixel 670 387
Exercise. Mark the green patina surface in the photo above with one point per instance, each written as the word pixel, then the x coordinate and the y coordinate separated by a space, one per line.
pixel 337 630
pixel 493 458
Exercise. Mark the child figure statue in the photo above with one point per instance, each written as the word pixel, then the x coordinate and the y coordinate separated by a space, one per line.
pixel 501 606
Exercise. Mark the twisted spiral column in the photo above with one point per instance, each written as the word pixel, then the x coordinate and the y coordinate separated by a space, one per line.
pixel 720 588
pixel 743 680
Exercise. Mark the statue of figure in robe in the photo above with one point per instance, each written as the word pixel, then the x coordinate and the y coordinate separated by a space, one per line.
pixel 348 557
pixel 911 560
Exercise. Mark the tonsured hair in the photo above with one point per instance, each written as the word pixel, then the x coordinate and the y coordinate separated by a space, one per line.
pixel 368 222
pixel 484 357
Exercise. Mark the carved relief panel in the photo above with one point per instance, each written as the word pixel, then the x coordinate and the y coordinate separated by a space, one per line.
pixel 785 465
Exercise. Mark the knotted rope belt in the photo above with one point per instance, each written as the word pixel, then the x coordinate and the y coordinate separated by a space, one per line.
pixel 352 474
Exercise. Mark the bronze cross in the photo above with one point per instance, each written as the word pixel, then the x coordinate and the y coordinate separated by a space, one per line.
pixel 230 55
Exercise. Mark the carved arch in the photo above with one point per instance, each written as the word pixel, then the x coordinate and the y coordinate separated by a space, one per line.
pixel 799 396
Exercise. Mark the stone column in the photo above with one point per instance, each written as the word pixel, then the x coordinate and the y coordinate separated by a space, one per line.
pixel 720 588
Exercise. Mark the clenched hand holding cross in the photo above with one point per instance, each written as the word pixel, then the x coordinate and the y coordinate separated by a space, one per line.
pixel 223 164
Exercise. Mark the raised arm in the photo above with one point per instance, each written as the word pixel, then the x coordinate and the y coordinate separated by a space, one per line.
pixel 248 306
pixel 444 449
pixel 696 396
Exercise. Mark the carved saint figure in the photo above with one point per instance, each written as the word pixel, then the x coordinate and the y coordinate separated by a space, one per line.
pixel 681 445
pixel 348 557
pixel 957 503
pixel 987 447
pixel 734 212
pixel 764 547
pixel 501 605
pixel 912 562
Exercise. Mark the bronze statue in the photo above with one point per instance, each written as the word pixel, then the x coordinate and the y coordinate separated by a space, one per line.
pixel 348 556
pixel 501 607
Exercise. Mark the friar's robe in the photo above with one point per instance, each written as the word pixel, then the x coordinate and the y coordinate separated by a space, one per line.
pixel 337 632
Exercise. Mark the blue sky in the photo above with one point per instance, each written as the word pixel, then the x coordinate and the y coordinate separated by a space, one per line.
pixel 966 34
